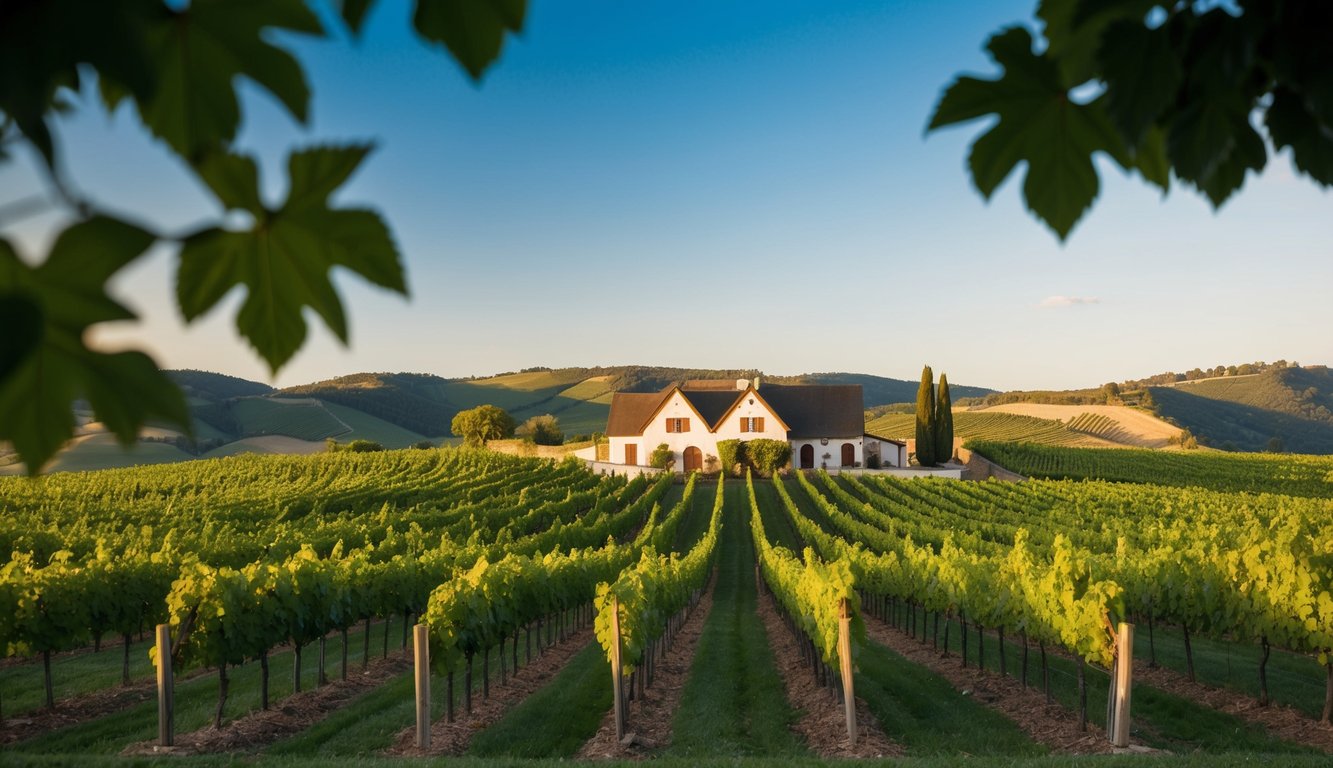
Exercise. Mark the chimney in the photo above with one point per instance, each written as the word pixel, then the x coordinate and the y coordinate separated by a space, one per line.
pixel 756 383
pixel 741 384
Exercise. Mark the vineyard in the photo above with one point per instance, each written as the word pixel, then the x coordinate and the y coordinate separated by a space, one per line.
pixel 1001 427
pixel 1293 475
pixel 810 615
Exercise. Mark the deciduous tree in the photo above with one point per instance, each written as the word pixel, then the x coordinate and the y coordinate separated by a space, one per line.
pixel 485 422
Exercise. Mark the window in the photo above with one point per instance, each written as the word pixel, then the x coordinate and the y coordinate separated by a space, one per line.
pixel 752 423
pixel 678 425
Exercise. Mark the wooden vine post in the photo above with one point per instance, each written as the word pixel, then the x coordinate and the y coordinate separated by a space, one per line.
pixel 845 662
pixel 1117 725
pixel 615 668
pixel 421 657
pixel 166 716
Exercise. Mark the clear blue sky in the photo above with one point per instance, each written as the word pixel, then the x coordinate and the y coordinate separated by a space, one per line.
pixel 722 185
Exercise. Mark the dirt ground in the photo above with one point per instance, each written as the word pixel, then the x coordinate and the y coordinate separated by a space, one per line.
pixel 822 722
pixel 1049 724
pixel 289 716
pixel 454 738
pixel 650 716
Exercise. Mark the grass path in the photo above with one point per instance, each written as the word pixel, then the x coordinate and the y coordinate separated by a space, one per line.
pixel 196 699
pixel 733 703
pixel 1160 719
pixel 72 675
pixel 1293 679
pixel 372 721
pixel 555 721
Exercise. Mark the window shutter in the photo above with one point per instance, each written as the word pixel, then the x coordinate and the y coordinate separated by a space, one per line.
pixel 684 425
pixel 759 424
pixel 745 424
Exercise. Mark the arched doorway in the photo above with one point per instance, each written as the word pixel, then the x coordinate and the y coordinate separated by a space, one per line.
pixel 848 454
pixel 807 456
pixel 694 459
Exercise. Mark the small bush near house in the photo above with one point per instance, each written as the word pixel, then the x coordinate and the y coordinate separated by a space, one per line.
pixel 767 456
pixel 729 453
pixel 661 457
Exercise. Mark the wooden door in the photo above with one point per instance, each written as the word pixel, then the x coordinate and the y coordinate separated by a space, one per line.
pixel 631 454
pixel 848 454
pixel 694 459
pixel 807 456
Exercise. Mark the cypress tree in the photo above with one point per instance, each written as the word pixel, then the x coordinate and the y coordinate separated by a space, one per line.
pixel 925 419
pixel 944 421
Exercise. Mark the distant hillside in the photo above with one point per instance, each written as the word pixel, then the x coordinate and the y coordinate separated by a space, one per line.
pixel 216 386
pixel 579 397
pixel 414 401
pixel 233 415
pixel 1293 405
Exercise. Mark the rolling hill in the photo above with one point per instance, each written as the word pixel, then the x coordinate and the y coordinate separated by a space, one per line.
pixel 1292 405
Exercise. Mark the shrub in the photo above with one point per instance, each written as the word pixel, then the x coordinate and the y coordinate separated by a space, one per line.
pixel 767 456
pixel 423 444
pixel 872 461
pixel 356 446
pixel 729 453
pixel 542 430
pixel 662 457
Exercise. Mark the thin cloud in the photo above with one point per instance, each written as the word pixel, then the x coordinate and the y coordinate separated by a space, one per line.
pixel 1052 302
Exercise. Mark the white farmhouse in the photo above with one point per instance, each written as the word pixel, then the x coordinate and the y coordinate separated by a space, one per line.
pixel 824 423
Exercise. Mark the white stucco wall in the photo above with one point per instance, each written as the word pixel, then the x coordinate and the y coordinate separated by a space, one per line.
pixel 751 407
pixel 699 437
pixel 833 449
pixel 891 454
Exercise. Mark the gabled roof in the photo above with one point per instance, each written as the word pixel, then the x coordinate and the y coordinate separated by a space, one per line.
pixel 712 404
pixel 630 411
pixel 807 410
pixel 818 410
pixel 750 391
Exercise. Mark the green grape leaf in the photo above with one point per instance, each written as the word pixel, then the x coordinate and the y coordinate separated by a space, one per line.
pixel 47 42
pixel 1292 124
pixel 285 259
pixel 233 178
pixel 354 13
pixel 126 390
pixel 1211 144
pixel 21 317
pixel 1142 74
pixel 199 51
pixel 1073 31
pixel 1038 124
pixel 472 30
pixel 66 295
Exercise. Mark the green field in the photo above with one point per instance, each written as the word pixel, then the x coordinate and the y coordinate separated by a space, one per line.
pixel 301 419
